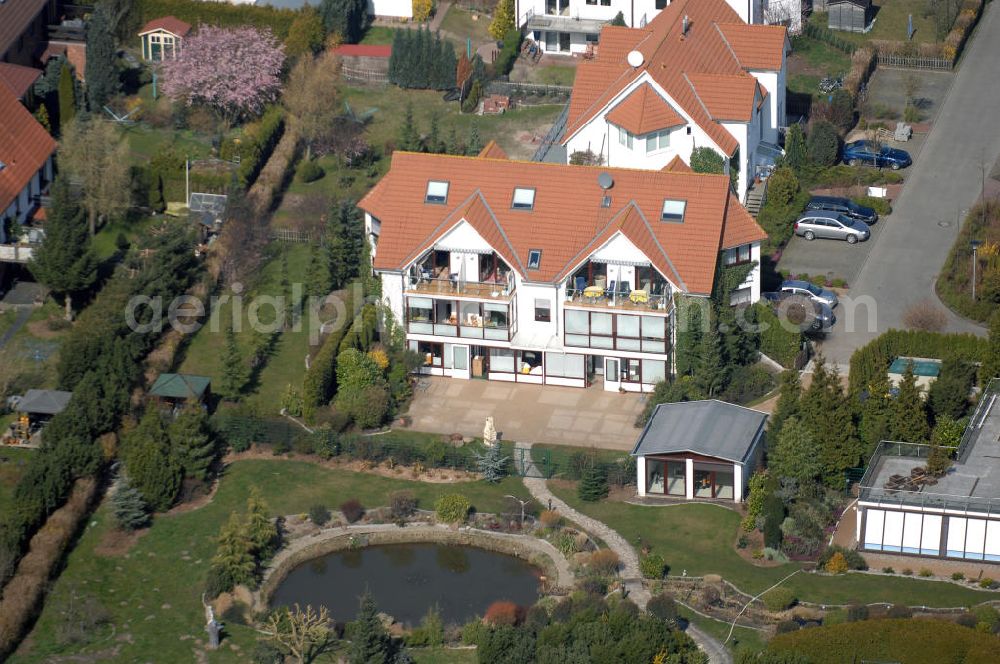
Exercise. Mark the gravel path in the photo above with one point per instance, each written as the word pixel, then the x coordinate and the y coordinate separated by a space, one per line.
pixel 631 576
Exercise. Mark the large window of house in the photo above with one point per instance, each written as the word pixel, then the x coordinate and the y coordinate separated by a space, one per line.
pixel 529 362
pixel 668 477
pixel 616 331
pixel 565 365
pixel 631 370
pixel 658 140
pixel 713 480
pixel 625 138
pixel 433 353
pixel 502 360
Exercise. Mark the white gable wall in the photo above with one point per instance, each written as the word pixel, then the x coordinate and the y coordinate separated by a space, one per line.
pixel 463 237
pixel 391 8
pixel 602 137
pixel 636 13
pixel 620 248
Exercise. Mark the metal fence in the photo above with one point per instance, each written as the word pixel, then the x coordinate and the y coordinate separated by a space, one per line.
pixel 913 62
pixel 291 235
pixel 513 89
pixel 553 136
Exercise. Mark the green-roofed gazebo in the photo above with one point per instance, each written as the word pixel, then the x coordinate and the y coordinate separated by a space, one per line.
pixel 177 389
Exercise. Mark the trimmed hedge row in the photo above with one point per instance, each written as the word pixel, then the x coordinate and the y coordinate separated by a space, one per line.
pixel 873 359
pixel 223 14
pixel 911 641
pixel 320 381
pixel 257 144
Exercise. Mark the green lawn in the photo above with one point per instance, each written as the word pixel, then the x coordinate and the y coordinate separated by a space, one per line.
pixel 34 349
pixel 820 56
pixel 699 538
pixel 890 22
pixel 145 141
pixel 555 75
pixel 378 34
pixel 104 242
pixel 203 355
pixel 459 22
pixel 743 637
pixel 12 462
pixel 153 592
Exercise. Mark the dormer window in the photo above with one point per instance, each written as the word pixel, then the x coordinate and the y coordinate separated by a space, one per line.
pixel 437 192
pixel 524 199
pixel 673 210
pixel 534 259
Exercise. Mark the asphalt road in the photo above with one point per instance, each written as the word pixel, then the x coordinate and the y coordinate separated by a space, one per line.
pixel 903 263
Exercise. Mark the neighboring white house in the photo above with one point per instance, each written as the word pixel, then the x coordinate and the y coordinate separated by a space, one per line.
pixel 695 76
pixel 25 160
pixel 391 8
pixel 549 273
pixel 568 26
pixel 699 450
pixel 901 511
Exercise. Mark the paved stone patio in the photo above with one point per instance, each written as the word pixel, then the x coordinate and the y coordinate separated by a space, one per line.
pixel 543 414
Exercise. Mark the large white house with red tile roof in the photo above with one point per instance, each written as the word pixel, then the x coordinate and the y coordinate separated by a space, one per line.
pixel 695 76
pixel 550 273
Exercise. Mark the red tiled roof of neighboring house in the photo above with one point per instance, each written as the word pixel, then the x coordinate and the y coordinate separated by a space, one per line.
pixel 75 54
pixel 493 151
pixel 15 17
pixel 170 24
pixel 726 97
pixel 644 111
pixel 365 50
pixel 671 56
pixel 567 222
pixel 677 165
pixel 756 46
pixel 24 148
pixel 17 78
pixel 740 227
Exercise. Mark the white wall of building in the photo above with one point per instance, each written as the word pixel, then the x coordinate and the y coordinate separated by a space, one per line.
pixel 391 8
pixel 635 12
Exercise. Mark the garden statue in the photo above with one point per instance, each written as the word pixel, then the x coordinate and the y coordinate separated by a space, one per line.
pixel 489 433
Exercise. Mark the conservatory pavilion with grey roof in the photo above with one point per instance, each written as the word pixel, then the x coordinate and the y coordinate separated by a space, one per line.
pixel 699 450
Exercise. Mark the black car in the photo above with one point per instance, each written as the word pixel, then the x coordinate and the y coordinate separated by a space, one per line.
pixel 843 206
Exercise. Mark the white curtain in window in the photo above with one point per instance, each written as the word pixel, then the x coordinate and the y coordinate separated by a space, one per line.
pixel 600 324
pixel 577 322
pixel 653 371
pixel 501 359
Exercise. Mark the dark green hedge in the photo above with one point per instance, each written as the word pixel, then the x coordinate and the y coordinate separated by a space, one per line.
pixel 508 54
pixel 873 359
pixel 910 641
pixel 320 381
pixel 256 146
pixel 197 12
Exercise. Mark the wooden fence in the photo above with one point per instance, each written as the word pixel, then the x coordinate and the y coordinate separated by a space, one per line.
pixel 363 75
pixel 290 235
pixel 913 62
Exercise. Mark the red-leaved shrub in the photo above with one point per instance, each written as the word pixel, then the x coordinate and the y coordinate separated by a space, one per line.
pixel 504 613
pixel 352 510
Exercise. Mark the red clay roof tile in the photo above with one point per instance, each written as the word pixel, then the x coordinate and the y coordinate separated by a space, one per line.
pixel 171 24
pixel 567 222
pixel 24 147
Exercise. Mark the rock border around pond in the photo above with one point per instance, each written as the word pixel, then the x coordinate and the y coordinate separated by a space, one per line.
pixel 540 553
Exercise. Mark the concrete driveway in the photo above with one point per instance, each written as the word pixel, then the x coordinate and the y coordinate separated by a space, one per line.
pixel 904 259
pixel 543 414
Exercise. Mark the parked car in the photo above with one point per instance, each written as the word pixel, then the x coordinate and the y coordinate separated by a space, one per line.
pixel 801 310
pixel 830 225
pixel 810 290
pixel 842 206
pixel 867 152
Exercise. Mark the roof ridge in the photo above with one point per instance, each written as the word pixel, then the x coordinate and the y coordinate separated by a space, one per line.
pixel 656 241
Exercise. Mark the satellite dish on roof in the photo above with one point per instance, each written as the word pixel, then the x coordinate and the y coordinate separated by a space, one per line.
pixel 634 58
pixel 605 180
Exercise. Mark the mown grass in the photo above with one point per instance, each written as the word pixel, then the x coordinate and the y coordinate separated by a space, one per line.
pixel 285 365
pixel 153 592
pixel 890 23
pixel 460 22
pixel 743 638
pixel 699 538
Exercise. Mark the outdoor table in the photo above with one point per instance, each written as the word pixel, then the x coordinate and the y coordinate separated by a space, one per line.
pixel 593 292
pixel 639 296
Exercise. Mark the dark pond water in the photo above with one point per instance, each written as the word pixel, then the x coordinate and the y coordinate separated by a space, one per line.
pixel 407 579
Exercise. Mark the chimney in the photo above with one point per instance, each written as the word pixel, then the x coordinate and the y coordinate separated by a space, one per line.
pixel 685 24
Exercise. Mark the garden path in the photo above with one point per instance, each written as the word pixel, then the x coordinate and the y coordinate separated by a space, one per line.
pixel 631 576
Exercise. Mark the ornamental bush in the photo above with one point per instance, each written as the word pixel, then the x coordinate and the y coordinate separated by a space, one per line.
pixel 653 566
pixel 452 508
pixel 662 606
pixel 823 144
pixel 778 599
pixel 352 510
pixel 503 613
pixel 309 171
pixel 604 561
pixel 319 515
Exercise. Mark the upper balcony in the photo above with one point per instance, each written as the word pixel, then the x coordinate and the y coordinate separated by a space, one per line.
pixel 461 276
pixel 626 288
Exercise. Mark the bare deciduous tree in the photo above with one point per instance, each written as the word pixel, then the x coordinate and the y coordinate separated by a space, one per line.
pixel 311 96
pixel 301 633
pixel 96 157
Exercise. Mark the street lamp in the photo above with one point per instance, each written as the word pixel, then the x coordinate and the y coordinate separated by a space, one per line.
pixel 975 248
pixel 524 503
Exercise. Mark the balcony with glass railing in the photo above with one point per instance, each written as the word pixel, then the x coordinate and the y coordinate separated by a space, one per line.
pixel 493 321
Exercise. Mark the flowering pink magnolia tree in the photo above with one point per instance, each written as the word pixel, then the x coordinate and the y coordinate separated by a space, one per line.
pixel 236 71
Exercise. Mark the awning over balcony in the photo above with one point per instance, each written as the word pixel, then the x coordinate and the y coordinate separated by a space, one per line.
pixel 565 24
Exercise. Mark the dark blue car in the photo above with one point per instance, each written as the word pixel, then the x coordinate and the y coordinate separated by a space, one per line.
pixel 867 152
